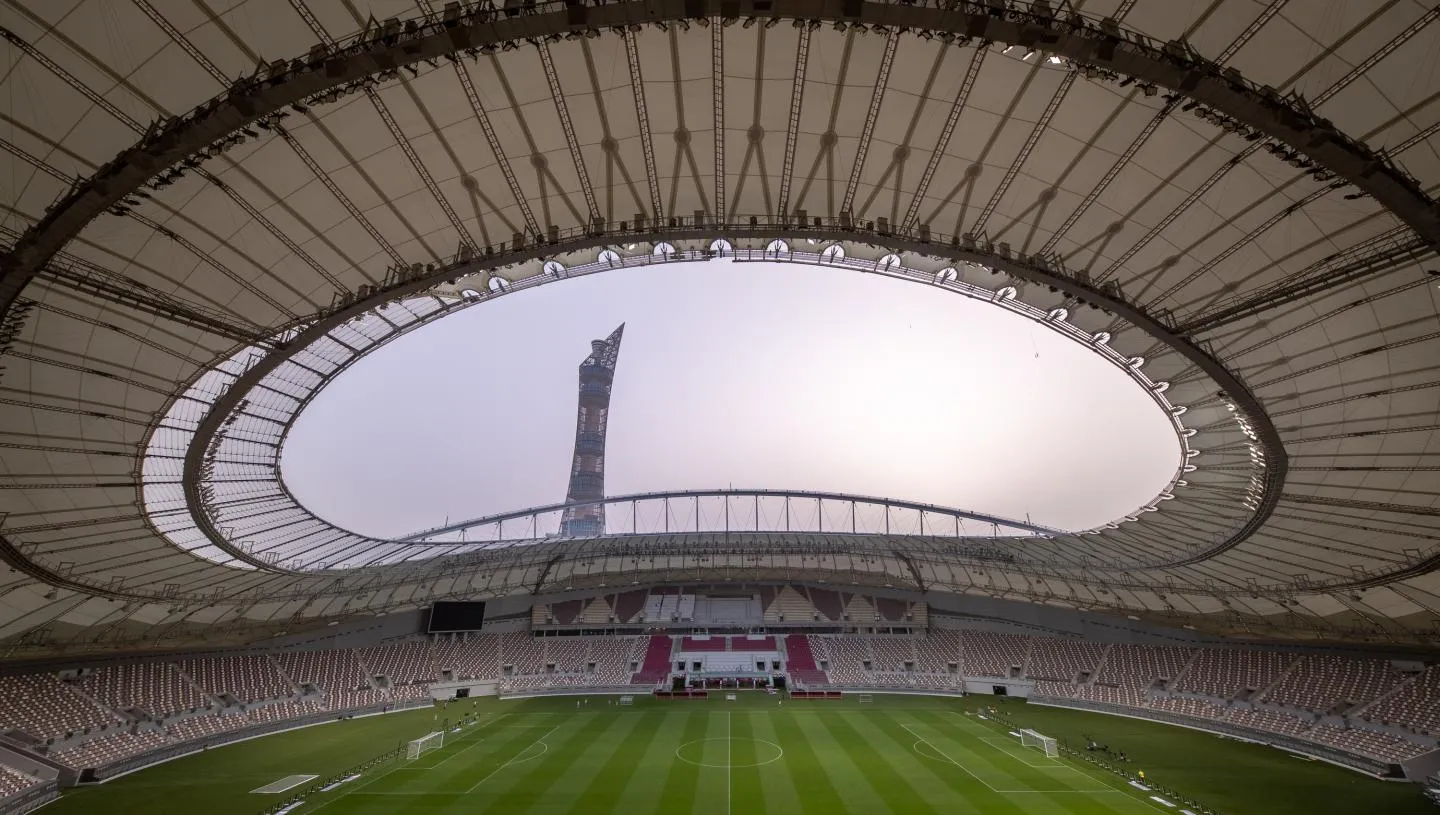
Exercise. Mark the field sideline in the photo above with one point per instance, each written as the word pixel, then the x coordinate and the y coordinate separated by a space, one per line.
pixel 899 755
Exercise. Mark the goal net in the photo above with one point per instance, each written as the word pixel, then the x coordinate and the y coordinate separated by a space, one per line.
pixel 1029 738
pixel 430 741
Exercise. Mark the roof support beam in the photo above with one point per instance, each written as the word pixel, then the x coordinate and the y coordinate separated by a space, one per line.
pixel 1338 271
pixel 352 64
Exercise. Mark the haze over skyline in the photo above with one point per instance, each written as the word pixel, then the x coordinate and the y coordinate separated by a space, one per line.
pixel 759 375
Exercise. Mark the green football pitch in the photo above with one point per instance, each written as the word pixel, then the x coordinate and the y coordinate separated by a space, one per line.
pixel 896 755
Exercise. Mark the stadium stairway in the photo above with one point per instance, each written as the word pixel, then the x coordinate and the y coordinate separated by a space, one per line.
pixel 210 698
pixel 1179 676
pixel 1289 669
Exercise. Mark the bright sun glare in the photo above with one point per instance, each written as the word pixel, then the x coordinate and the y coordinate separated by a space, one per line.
pixel 756 375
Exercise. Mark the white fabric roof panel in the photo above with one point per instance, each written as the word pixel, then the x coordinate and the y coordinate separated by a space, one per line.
pixel 1114 178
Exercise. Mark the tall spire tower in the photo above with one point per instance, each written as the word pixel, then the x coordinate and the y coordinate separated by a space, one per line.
pixel 587 472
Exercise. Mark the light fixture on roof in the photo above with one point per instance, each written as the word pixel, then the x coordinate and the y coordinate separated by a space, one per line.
pixel 1028 54
pixel 1008 49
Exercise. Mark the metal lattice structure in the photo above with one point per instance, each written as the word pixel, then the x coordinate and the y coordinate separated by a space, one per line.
pixel 587 470
pixel 206 219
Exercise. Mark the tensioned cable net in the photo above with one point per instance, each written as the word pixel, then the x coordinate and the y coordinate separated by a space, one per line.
pixel 1239 194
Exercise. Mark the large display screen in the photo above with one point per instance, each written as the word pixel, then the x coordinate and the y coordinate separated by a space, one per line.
pixel 456 616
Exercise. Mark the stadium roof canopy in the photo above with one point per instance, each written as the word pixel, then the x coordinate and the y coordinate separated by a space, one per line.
pixel 213 208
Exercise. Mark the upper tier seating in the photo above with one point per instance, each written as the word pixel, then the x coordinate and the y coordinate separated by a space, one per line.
pixel 790 606
pixel 629 605
pixel 330 671
pixel 983 653
pixel 1138 666
pixel 1224 672
pixel 1416 705
pixel 891 610
pixel 39 705
pixel 828 603
pixel 154 687
pixel 247 678
pixel 1320 683
pixel 403 662
pixel 1061 660
pixel 14 782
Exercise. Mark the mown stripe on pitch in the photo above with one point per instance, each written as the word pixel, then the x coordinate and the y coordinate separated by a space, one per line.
pixel 903 761
pixel 775 777
pixel 520 785
pixel 805 770
pixel 677 794
pixel 618 763
pixel 872 763
pixel 653 760
pixel 962 784
pixel 747 794
pixel 565 790
pixel 844 763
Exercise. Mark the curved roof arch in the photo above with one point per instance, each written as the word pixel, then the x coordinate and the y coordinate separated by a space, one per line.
pixel 1247 190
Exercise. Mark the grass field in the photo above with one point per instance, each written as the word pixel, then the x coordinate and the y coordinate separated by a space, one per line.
pixel 898 755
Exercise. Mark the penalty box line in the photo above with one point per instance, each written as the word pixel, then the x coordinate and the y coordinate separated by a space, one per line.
pixel 992 787
pixel 1004 745
pixel 512 759
pixel 475 737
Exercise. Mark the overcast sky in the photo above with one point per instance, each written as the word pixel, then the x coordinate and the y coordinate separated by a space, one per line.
pixel 777 376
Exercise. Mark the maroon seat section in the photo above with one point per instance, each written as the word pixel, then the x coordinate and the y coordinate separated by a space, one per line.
pixel 656 665
pixel 802 665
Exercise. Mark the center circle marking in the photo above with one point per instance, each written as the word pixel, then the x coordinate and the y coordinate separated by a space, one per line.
pixel 778 750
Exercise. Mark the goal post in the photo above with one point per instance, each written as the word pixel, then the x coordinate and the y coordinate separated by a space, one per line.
pixel 429 741
pixel 1029 738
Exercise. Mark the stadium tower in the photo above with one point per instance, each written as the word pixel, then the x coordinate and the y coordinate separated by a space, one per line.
pixel 587 471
